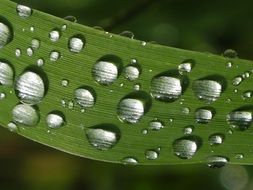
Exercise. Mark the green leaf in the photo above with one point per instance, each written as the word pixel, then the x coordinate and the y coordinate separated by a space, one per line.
pixel 113 128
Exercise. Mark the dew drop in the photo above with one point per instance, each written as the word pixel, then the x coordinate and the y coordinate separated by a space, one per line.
pixel 188 130
pixel 35 44
pixel 237 80
pixel 25 114
pixel 18 52
pixel 186 147
pixel 64 27
pixel 40 62
pixel 203 115
pixel 229 64
pixel 70 105
pixel 84 97
pixel 156 125
pixel 230 53
pixel 24 11
pixel 70 18
pixel 131 72
pixel 103 137
pixel 216 139
pixel 2 96
pixel 32 29
pixel 151 154
pixel 76 43
pixel 127 34
pixel 55 119
pixel 54 35
pixel 5 34
pixel 144 131
pixel 185 67
pixel 185 110
pixel 12 127
pixel 6 74
pixel 29 52
pixel 64 82
pixel 248 94
pixel 30 88
pixel 240 119
pixel 54 56
pixel 129 161
pixel 207 90
pixel 106 70
pixel 239 156
pixel 216 161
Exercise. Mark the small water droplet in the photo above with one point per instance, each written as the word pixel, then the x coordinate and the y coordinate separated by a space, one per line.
pixel 156 125
pixel 241 119
pixel 6 73
pixel 63 103
pixel 70 105
pixel 76 43
pixel 229 64
pixel 237 80
pixel 54 35
pixel 84 97
pixel 130 161
pixel 204 115
pixel 2 96
pixel 24 11
pixel 18 52
pixel 248 94
pixel 188 130
pixel 144 131
pixel 185 67
pixel 151 154
pixel 207 90
pixel 186 147
pixel 133 61
pixel 131 72
pixel 64 82
pixel 30 88
pixel 32 29
pixel 70 18
pixel 64 27
pixel 40 62
pixel 54 55
pixel 127 34
pixel 103 137
pixel 12 127
pixel 239 156
pixel 106 70
pixel 230 53
pixel 185 110
pixel 143 43
pixel 35 44
pixel 216 161
pixel 25 114
pixel 216 139
pixel 55 119
pixel 29 51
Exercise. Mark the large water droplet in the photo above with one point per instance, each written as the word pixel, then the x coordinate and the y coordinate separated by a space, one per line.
pixel 5 33
pixel 25 114
pixel 208 90
pixel 166 87
pixel 186 147
pixel 55 119
pixel 24 11
pixel 30 88
pixel 85 97
pixel 204 115
pixel 103 137
pixel 76 43
pixel 106 70
pixel 216 139
pixel 217 161
pixel 132 107
pixel 6 73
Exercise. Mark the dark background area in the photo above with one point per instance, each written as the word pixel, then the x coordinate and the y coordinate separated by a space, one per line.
pixel 207 26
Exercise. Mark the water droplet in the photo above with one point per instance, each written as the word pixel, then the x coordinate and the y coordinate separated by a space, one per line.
pixel 40 62
pixel 63 103
pixel 130 161
pixel 70 18
pixel 12 127
pixel 64 82
pixel 2 96
pixel 127 34
pixel 18 52
pixel 230 53
pixel 248 94
pixel 241 119
pixel 237 80
pixel 25 114
pixel 29 51
pixel 207 90
pixel 35 44
pixel 5 34
pixel 188 130
pixel 239 156
pixel 143 43
pixel 229 64
pixel 32 29
pixel 54 55
pixel 24 11
pixel 185 110
pixel 64 27
pixel 156 125
pixel 30 88
pixel 131 72
pixel 151 154
pixel 216 161
pixel 76 43
pixel 204 115
pixel 186 147
pixel 144 131
pixel 185 67
pixel 106 70
pixel 133 61
pixel 6 73
pixel 70 105
pixel 84 97
pixel 103 137
pixel 166 88
pixel 54 35
pixel 216 139
pixel 55 119
pixel 137 87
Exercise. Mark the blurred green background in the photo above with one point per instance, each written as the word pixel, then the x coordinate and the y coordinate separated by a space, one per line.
pixel 207 26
